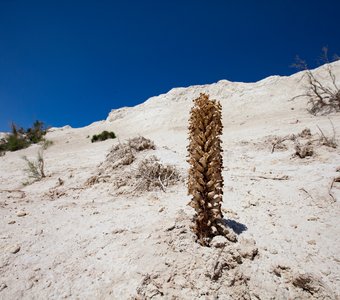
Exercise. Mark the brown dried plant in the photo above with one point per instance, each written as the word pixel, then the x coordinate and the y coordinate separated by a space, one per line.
pixel 323 97
pixel 205 182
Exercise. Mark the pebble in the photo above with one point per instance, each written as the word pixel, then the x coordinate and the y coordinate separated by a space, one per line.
pixel 219 241
pixel 21 213
pixel 11 222
pixel 14 249
pixel 38 232
pixel 273 251
pixel 2 286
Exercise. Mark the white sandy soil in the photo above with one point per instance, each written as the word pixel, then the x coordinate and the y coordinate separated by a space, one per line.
pixel 68 239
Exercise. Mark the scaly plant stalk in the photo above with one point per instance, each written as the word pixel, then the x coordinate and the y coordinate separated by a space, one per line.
pixel 205 183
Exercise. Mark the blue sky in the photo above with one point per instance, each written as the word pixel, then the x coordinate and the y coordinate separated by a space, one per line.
pixel 71 62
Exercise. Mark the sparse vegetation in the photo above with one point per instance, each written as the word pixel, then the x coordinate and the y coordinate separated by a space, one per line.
pixel 328 141
pixel 124 153
pixel 323 97
pixel 151 174
pixel 46 144
pixel 303 150
pixel 205 182
pixel 35 169
pixel 103 136
pixel 19 138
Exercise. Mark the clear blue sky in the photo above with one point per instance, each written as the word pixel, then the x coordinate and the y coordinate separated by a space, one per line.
pixel 71 62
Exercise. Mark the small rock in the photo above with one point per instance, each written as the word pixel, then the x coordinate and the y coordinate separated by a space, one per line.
pixel 313 218
pixel 254 202
pixel 14 249
pixel 11 222
pixel 2 286
pixel 29 285
pixel 38 232
pixel 219 241
pixel 21 213
pixel 161 209
pixel 247 248
pixel 273 251
pixel 312 242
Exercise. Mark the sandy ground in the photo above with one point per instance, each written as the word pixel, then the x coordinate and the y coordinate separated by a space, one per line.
pixel 73 239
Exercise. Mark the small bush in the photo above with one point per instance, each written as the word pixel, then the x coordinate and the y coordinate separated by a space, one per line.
pixel 14 143
pixel 103 136
pixel 151 174
pixel 125 153
pixel 19 138
pixel 322 97
pixel 46 144
pixel 35 169
pixel 141 143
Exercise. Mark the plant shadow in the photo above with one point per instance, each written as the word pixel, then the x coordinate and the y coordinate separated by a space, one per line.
pixel 237 227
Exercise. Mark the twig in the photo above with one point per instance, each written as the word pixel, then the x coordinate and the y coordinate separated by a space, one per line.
pixel 333 128
pixel 280 140
pixel 302 189
pixel 330 190
pixel 283 177
pixel 215 275
pixel 322 133
pixel 161 183
pixel 23 194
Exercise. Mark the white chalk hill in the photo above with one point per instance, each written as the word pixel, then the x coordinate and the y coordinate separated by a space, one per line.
pixel 89 231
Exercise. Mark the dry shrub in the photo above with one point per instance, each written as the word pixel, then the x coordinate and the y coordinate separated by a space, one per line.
pixel 125 153
pixel 35 169
pixel 151 174
pixel 305 133
pixel 323 98
pixel 128 172
pixel 141 143
pixel 328 141
pixel 304 150
pixel 278 142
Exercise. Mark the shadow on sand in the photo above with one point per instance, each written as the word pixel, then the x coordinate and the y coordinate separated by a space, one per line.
pixel 237 227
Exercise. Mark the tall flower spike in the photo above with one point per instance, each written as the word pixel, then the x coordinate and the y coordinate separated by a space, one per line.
pixel 205 183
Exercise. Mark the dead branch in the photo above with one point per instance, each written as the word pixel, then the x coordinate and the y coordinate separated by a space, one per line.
pixel 23 194
pixel 322 98
pixel 337 179
pixel 253 177
pixel 279 141
pixel 302 189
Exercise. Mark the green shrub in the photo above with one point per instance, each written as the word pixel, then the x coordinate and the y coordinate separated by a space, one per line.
pixel 15 142
pixel 20 139
pixel 103 136
pixel 46 144
pixel 35 169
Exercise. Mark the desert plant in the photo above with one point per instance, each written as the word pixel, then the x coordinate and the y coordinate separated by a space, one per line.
pixel 151 173
pixel 328 141
pixel 103 136
pixel 35 169
pixel 19 138
pixel 205 182
pixel 323 98
pixel 14 143
pixel 141 143
pixel 46 143
pixel 36 132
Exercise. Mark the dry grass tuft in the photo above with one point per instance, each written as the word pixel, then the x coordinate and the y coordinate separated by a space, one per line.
pixel 125 154
pixel 141 143
pixel 152 174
